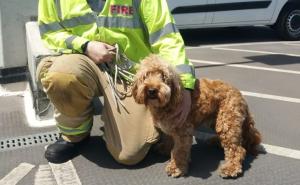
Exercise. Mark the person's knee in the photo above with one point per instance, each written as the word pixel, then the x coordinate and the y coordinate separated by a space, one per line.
pixel 66 75
pixel 77 67
pixel 69 95
pixel 128 157
pixel 129 160
pixel 59 83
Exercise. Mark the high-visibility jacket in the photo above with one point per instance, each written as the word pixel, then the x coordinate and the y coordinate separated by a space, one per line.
pixel 139 27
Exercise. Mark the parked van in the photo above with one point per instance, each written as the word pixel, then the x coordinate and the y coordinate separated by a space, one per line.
pixel 281 15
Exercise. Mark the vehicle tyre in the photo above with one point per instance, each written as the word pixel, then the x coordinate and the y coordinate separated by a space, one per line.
pixel 288 23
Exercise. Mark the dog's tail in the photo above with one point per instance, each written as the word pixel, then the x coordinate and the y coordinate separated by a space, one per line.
pixel 251 135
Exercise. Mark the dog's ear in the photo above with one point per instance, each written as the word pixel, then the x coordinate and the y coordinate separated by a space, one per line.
pixel 134 88
pixel 138 86
pixel 176 85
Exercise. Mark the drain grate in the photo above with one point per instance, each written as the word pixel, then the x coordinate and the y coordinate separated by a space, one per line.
pixel 28 141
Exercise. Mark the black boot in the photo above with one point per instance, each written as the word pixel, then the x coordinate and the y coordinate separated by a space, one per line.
pixel 61 151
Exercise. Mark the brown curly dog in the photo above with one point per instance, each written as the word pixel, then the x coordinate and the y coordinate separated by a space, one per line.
pixel 158 86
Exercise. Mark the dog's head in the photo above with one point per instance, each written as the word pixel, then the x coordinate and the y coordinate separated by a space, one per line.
pixel 156 83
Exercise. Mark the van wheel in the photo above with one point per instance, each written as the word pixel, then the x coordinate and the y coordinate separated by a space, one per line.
pixel 288 23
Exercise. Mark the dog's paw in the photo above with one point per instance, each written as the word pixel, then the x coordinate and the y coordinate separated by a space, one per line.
pixel 229 170
pixel 174 171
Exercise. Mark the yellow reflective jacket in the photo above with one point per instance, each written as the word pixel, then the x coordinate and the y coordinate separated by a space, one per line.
pixel 139 27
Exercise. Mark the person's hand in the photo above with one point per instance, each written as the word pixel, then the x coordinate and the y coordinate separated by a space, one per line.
pixel 100 52
pixel 183 109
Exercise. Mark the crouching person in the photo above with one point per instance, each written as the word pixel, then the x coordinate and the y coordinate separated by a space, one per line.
pixel 84 32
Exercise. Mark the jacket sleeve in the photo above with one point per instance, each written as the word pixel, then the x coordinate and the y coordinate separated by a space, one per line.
pixel 53 34
pixel 165 38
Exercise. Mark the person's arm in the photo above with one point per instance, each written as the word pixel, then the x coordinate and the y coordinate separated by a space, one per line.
pixel 54 35
pixel 165 38
pixel 57 38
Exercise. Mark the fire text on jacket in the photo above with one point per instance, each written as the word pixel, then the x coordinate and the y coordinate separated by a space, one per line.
pixel 121 9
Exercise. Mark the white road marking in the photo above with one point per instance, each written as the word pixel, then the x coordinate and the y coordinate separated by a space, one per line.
pixel 65 173
pixel 44 176
pixel 271 97
pixel 255 94
pixel 246 66
pixel 243 44
pixel 254 51
pixel 16 174
pixel 266 148
pixel 280 151
pixel 293 44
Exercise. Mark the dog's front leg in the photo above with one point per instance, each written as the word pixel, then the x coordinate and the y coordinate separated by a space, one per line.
pixel 180 155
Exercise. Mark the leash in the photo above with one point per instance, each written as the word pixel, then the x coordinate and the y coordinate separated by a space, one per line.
pixel 118 71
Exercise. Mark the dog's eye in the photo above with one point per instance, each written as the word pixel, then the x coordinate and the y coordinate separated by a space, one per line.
pixel 145 75
pixel 164 77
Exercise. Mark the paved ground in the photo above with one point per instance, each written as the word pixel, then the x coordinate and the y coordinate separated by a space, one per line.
pixel 265 69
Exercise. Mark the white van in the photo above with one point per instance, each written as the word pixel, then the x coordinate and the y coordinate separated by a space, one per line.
pixel 281 15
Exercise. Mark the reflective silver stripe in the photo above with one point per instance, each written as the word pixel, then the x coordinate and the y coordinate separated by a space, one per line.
pixel 136 4
pixel 69 23
pixel 44 28
pixel 184 68
pixel 118 22
pixel 136 16
pixel 75 131
pixel 58 8
pixel 109 22
pixel 88 18
pixel 169 28
pixel 69 41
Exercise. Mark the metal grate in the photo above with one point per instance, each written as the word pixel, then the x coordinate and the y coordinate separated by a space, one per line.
pixel 28 141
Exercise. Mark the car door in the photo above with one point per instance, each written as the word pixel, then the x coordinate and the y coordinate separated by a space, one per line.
pixel 239 11
pixel 188 13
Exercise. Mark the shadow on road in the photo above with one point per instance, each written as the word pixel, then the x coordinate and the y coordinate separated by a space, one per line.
pixel 100 156
pixel 205 158
pixel 196 37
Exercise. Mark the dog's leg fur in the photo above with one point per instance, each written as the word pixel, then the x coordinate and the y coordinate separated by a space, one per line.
pixel 229 129
pixel 251 136
pixel 180 155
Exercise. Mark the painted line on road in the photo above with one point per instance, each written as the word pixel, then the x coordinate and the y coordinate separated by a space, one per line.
pixel 254 51
pixel 271 97
pixel 293 44
pixel 242 44
pixel 280 151
pixel 16 174
pixel 65 173
pixel 264 148
pixel 44 176
pixel 255 94
pixel 245 66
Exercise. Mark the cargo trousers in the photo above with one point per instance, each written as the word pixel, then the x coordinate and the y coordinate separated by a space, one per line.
pixel 71 81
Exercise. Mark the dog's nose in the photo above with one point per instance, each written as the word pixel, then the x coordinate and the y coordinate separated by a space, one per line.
pixel 152 93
